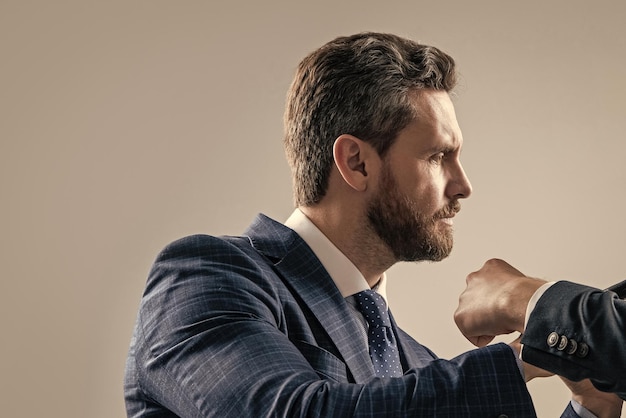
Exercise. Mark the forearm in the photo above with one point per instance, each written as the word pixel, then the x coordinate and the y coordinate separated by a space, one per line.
pixel 588 325
pixel 288 386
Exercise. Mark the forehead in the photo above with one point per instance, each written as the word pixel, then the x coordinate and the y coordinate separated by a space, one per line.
pixel 435 124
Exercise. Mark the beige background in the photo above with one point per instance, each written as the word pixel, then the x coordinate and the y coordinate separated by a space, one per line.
pixel 125 125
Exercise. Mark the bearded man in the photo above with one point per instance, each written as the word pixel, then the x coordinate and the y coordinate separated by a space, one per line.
pixel 290 319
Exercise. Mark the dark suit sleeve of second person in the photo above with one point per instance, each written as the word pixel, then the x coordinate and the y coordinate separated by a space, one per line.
pixel 579 332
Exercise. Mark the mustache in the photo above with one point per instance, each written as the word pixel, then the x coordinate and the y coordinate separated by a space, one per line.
pixel 449 211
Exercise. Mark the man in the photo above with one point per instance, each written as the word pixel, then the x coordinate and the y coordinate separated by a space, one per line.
pixel 282 321
pixel 576 331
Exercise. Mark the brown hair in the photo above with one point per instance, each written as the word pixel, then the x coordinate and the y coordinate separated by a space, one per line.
pixel 356 85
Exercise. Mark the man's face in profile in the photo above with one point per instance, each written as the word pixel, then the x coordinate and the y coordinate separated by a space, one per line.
pixel 421 183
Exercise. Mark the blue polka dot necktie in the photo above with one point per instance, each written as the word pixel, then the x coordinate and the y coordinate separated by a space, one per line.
pixel 382 343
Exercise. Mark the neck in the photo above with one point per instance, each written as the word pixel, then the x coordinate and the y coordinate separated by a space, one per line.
pixel 349 231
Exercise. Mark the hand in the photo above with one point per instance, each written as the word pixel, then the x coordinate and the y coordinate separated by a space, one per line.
pixel 601 404
pixel 494 302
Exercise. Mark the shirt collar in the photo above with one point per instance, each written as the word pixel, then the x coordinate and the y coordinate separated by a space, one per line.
pixel 344 273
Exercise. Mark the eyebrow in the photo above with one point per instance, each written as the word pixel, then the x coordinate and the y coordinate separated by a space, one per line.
pixel 445 148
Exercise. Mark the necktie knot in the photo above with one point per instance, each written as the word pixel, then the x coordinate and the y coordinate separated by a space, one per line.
pixel 382 344
pixel 373 307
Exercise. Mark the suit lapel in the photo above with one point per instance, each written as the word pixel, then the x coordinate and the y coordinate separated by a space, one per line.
pixel 301 269
pixel 412 353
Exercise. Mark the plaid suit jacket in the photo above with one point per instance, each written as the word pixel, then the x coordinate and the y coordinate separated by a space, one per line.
pixel 253 326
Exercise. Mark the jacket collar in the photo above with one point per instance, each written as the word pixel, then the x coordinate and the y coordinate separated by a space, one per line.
pixel 301 269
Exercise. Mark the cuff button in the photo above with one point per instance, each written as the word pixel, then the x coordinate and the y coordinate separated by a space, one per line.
pixel 583 350
pixel 571 347
pixel 553 339
pixel 562 343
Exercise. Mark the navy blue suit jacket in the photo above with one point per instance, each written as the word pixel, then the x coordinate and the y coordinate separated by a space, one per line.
pixel 591 328
pixel 253 326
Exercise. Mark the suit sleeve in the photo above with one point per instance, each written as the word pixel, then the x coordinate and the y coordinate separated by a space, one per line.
pixel 579 332
pixel 210 341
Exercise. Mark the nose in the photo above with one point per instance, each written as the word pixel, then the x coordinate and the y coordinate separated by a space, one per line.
pixel 459 185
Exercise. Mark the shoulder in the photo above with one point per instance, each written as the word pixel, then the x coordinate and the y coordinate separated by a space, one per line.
pixel 202 245
pixel 208 270
pixel 207 251
pixel 201 259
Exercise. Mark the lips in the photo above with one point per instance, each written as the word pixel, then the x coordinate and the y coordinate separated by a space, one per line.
pixel 447 213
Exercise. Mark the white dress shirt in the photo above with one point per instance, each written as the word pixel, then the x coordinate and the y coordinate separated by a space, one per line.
pixel 346 276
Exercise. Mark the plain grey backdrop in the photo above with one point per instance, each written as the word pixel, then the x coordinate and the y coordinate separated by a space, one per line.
pixel 128 124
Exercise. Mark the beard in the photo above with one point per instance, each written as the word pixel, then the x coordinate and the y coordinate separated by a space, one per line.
pixel 408 233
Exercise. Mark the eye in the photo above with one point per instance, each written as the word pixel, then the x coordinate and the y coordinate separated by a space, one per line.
pixel 437 159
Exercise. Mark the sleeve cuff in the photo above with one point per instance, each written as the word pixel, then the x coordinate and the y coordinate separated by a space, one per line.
pixel 534 299
pixel 529 308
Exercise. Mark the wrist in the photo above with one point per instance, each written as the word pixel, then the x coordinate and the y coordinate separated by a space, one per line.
pixel 516 300
pixel 599 406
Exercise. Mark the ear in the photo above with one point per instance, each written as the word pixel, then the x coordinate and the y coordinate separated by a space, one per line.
pixel 355 159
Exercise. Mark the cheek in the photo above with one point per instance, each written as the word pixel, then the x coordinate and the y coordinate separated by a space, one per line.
pixel 421 184
pixel 430 202
pixel 428 195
